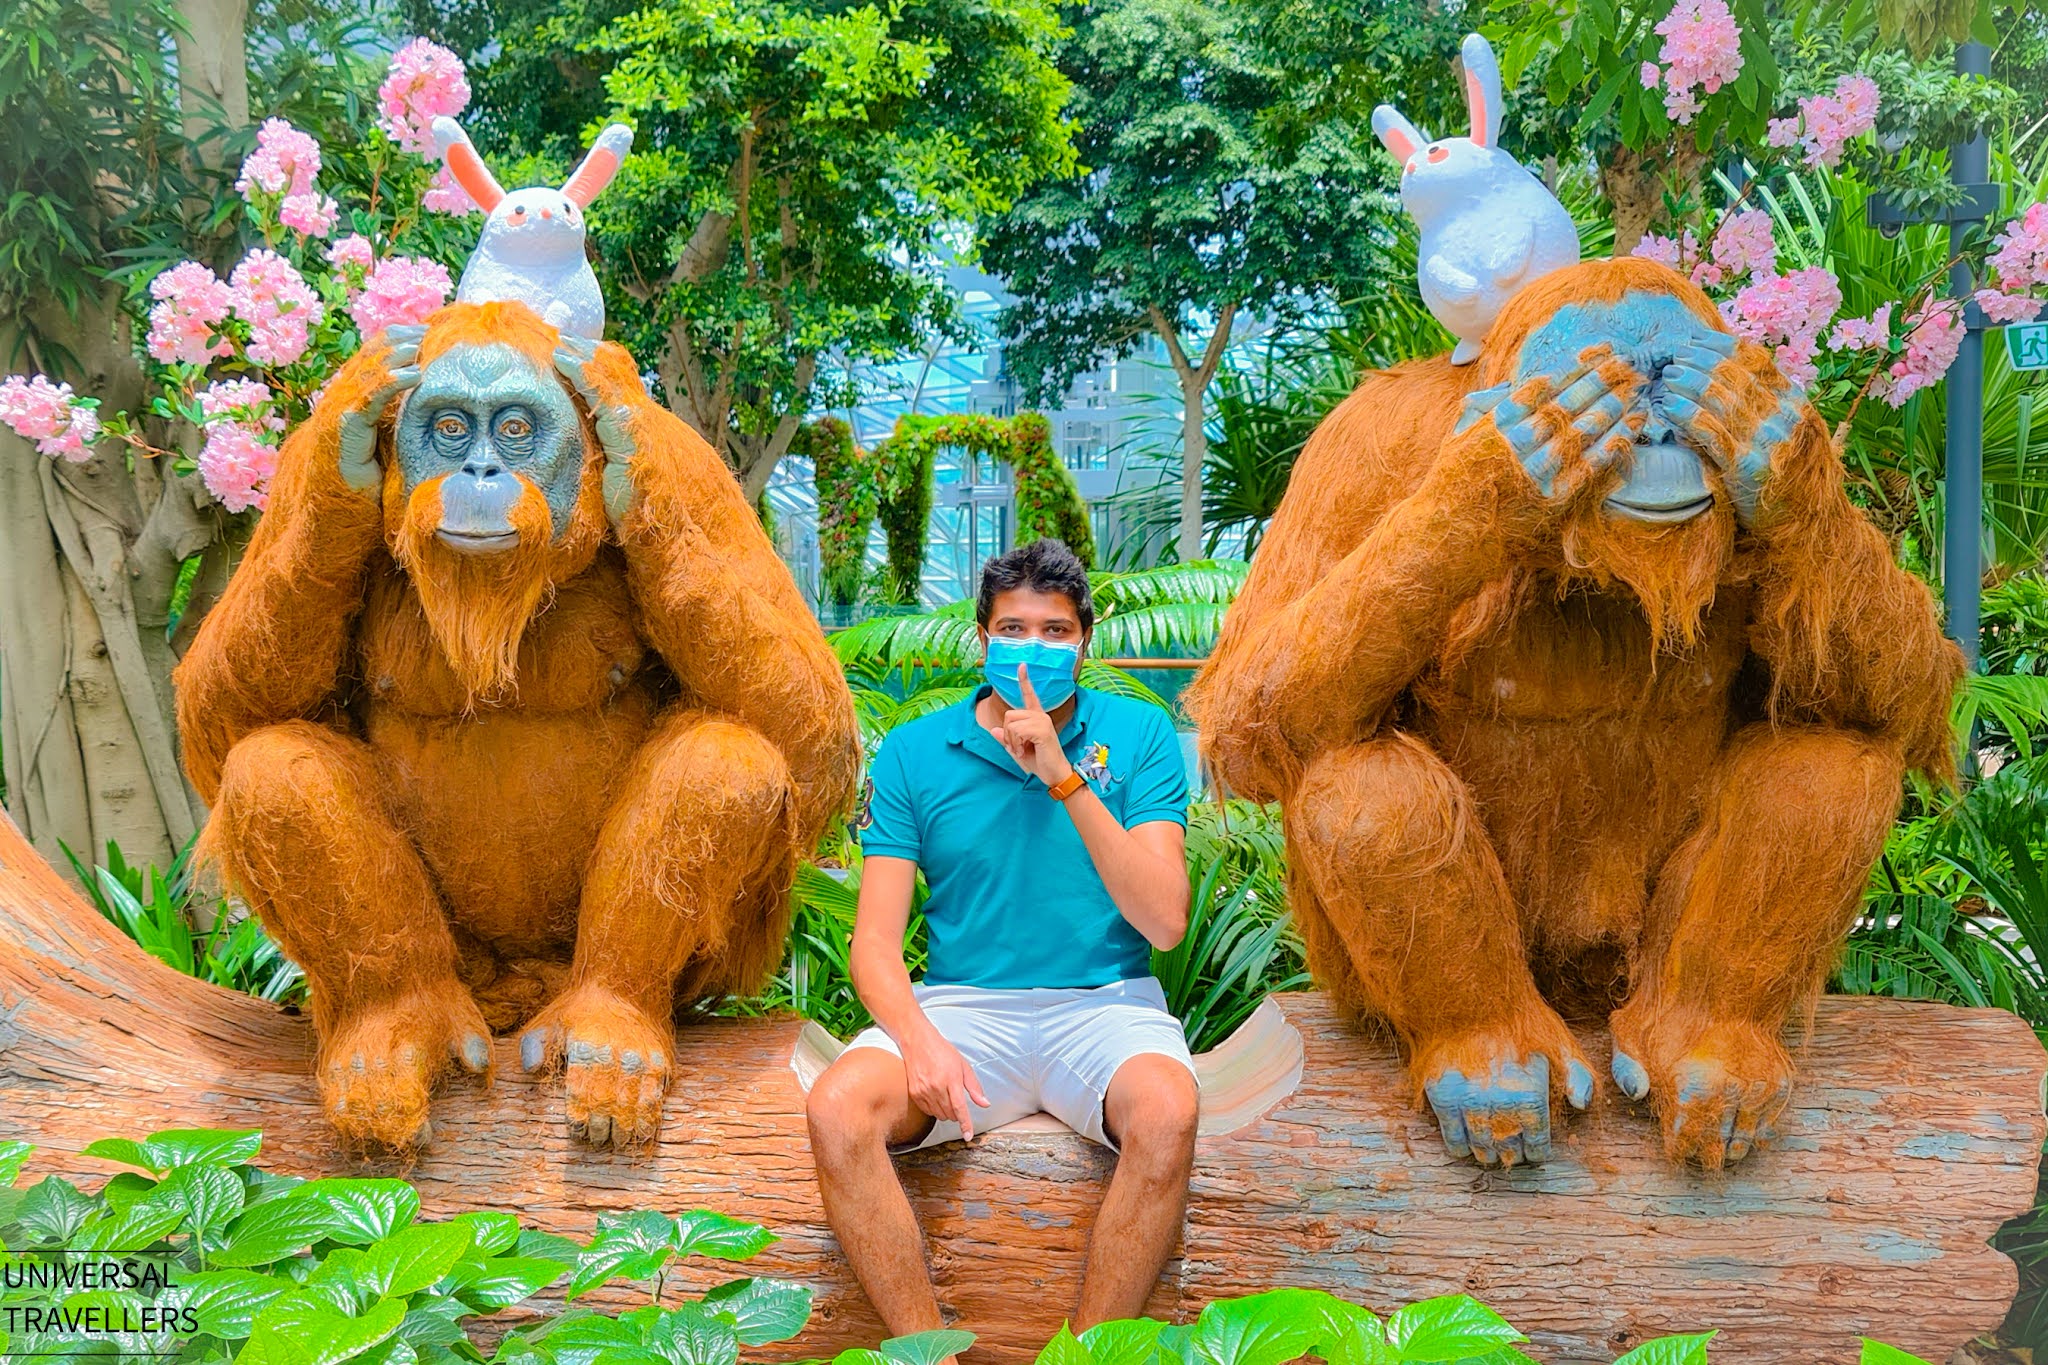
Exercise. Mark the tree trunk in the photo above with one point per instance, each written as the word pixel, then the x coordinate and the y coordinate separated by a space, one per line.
pixel 1634 185
pixel 213 72
pixel 1194 455
pixel 1915 1133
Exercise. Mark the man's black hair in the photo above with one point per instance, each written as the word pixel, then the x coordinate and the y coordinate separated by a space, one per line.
pixel 1043 566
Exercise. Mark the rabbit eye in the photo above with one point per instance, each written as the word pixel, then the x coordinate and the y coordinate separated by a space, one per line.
pixel 1439 153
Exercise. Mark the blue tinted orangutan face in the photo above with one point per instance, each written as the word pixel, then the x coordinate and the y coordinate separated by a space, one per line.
pixel 483 416
pixel 1666 482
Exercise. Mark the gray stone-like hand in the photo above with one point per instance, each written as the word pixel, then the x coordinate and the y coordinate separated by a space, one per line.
pixel 614 430
pixel 358 460
pixel 1545 420
pixel 1702 395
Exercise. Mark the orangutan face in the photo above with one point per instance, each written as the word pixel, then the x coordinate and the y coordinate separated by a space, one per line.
pixel 490 422
pixel 1666 482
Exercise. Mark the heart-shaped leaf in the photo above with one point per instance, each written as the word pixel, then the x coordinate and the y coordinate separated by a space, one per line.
pixel 763 1311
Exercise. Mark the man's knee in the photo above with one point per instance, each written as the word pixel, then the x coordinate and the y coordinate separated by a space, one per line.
pixel 1390 806
pixel 1154 1113
pixel 848 1111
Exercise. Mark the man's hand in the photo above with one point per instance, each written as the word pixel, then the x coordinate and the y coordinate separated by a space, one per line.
pixel 1027 733
pixel 358 454
pixel 941 1081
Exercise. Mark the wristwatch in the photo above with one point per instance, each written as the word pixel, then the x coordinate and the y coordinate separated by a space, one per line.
pixel 1067 786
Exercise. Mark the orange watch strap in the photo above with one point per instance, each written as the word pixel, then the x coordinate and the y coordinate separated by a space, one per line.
pixel 1067 786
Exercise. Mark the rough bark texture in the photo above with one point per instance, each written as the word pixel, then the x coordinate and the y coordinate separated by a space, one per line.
pixel 1915 1134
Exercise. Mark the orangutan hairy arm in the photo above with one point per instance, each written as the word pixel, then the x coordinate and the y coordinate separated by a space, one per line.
pixel 1852 639
pixel 272 649
pixel 1321 670
pixel 713 598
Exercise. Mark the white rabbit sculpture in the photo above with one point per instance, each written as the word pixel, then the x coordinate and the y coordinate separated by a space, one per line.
pixel 1488 225
pixel 531 251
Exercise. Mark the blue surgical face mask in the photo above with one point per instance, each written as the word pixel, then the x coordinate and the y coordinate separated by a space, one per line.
pixel 1051 668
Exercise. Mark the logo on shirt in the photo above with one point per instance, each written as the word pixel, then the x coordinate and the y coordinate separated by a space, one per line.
pixel 1094 765
pixel 864 813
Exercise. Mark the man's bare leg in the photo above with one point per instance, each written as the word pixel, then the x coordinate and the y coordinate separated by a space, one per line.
pixel 1151 1110
pixel 859 1106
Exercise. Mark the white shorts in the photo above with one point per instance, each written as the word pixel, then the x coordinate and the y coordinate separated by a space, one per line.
pixel 1050 1049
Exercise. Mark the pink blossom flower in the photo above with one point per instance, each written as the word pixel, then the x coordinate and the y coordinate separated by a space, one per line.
pixel 426 81
pixel 1743 245
pixel 191 303
pixel 1702 50
pixel 245 400
pixel 311 214
pixel 50 415
pixel 352 250
pixel 1826 123
pixel 1863 334
pixel 236 465
pixel 1933 336
pixel 1672 251
pixel 281 310
pixel 1787 313
pixel 401 289
pixel 284 162
pixel 1707 275
pixel 2003 308
pixel 444 195
pixel 1651 75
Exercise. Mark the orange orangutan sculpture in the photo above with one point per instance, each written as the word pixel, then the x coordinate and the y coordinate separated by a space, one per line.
pixel 510 715
pixel 1576 672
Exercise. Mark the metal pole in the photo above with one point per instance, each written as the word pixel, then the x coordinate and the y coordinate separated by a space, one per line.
pixel 1962 571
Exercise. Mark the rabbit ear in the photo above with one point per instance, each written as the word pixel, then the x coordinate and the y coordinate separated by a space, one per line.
pixel 1395 133
pixel 599 165
pixel 1482 89
pixel 465 165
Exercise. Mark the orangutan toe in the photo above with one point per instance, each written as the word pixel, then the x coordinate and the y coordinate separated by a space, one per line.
pixel 1492 1098
pixel 380 1063
pixel 1719 1094
pixel 614 1062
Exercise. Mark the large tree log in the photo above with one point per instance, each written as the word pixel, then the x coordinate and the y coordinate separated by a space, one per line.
pixel 1915 1134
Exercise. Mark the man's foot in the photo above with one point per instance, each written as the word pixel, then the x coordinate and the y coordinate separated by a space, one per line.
pixel 1491 1088
pixel 615 1059
pixel 381 1061
pixel 1719 1091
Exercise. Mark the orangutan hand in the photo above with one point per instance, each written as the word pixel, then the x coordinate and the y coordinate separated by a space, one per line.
pixel 358 457
pixel 1568 428
pixel 1733 406
pixel 614 431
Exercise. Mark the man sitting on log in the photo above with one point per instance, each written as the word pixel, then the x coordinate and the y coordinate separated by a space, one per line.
pixel 1049 821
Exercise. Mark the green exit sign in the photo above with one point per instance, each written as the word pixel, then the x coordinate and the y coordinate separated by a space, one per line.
pixel 2027 344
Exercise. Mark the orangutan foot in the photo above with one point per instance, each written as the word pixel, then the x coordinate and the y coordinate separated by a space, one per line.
pixel 1491 1091
pixel 1719 1093
pixel 381 1061
pixel 615 1060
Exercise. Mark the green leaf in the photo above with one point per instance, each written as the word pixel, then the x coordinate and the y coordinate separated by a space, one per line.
pixel 344 1281
pixel 700 1232
pixel 1877 1353
pixel 1448 1328
pixel 434 1322
pixel 127 1151
pixel 175 1147
pixel 1681 1350
pixel 54 1209
pixel 1259 1329
pixel 692 1335
pixel 13 1155
pixel 267 1233
pixel 926 1348
pixel 409 1261
pixel 1065 1349
pixel 208 1195
pixel 140 1228
pixel 227 1301
pixel 490 1232
pixel 363 1211
pixel 298 1330
pixel 1363 1343
pixel 1127 1342
pixel 762 1311
pixel 502 1281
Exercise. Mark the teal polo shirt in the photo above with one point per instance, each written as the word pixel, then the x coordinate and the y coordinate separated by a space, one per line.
pixel 1015 899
